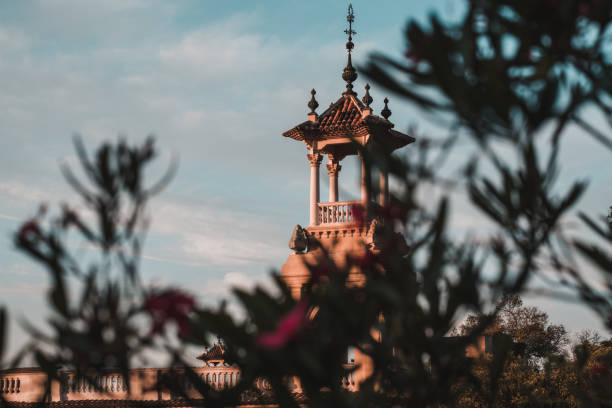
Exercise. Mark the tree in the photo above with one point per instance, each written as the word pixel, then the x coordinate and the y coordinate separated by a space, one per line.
pixel 527 326
pixel 500 75
pixel 533 369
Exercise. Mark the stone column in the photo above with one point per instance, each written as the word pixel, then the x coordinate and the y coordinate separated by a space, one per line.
pixel 384 187
pixel 365 194
pixel 333 168
pixel 315 162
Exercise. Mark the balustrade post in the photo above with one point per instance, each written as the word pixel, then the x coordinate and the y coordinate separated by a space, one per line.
pixel 315 162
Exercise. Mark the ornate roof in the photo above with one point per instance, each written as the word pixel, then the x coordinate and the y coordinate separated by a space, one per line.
pixel 345 112
pixel 216 352
pixel 349 118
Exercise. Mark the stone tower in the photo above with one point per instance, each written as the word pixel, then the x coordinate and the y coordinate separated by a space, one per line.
pixel 336 228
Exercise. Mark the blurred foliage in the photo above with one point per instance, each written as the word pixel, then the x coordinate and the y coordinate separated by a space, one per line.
pixel 504 73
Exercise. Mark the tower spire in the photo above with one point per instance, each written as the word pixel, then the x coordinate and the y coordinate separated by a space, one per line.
pixel 349 74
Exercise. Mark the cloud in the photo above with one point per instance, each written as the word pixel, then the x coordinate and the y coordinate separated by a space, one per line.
pixel 9 217
pixel 12 40
pixel 223 49
pixel 213 236
pixel 21 191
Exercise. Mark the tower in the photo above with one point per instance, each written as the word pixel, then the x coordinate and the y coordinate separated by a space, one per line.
pixel 341 229
pixel 346 128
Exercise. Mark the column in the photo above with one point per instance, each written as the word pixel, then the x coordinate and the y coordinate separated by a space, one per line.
pixel 383 182
pixel 333 168
pixel 315 162
pixel 365 194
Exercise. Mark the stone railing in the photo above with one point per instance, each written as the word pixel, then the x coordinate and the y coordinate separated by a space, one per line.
pixel 220 379
pixel 338 212
pixel 10 385
pixel 111 383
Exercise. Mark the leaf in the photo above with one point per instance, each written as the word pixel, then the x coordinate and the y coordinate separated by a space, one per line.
pixel 57 296
pixel 598 256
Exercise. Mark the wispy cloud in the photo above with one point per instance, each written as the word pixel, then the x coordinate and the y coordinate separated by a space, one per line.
pixel 208 235
pixel 9 217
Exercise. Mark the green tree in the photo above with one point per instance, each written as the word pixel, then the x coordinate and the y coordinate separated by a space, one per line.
pixel 528 327
pixel 530 364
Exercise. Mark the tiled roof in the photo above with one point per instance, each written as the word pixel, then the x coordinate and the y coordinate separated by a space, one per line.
pixel 345 112
pixel 343 118
pixel 216 352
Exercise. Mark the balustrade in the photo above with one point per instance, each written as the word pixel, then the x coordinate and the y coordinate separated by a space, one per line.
pixel 10 385
pixel 338 212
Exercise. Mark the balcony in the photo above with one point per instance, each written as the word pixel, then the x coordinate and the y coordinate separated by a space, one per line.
pixel 337 212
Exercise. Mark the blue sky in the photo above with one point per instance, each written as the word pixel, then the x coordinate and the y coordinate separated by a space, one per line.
pixel 217 83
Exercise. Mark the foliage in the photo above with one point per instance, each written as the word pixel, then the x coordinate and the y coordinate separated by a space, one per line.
pixel 527 326
pixel 503 73
pixel 534 371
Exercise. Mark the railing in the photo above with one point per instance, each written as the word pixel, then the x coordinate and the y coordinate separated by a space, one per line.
pixel 10 385
pixel 338 212
pixel 103 383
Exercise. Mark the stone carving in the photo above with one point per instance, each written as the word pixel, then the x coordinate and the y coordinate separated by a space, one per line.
pixel 375 231
pixel 333 168
pixel 299 240
pixel 314 159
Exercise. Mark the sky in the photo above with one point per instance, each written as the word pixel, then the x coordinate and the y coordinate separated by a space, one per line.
pixel 217 83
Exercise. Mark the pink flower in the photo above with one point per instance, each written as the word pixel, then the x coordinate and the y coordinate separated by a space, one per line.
pixel 359 215
pixel 367 261
pixel 29 230
pixel 413 56
pixel 170 306
pixel 323 267
pixel 394 211
pixel 287 328
pixel 599 369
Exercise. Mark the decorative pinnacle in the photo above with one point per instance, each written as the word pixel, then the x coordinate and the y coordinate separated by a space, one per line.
pixel 313 104
pixel 350 18
pixel 386 112
pixel 367 99
pixel 349 74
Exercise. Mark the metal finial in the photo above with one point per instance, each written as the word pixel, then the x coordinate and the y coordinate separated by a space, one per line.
pixel 386 112
pixel 349 74
pixel 313 104
pixel 367 99
pixel 350 18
